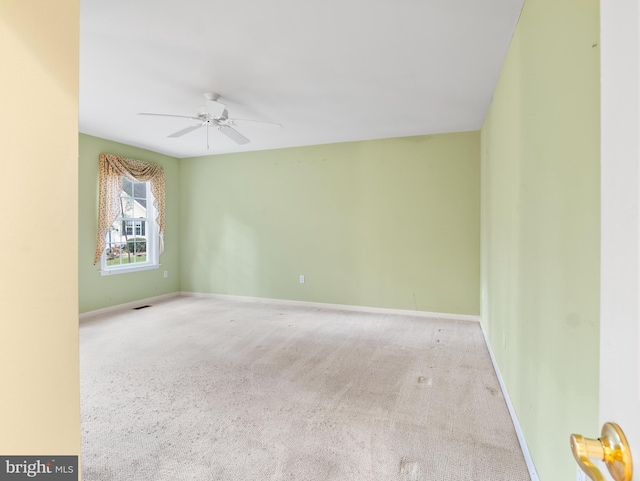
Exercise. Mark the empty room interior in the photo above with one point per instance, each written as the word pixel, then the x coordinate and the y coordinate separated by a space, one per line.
pixel 319 241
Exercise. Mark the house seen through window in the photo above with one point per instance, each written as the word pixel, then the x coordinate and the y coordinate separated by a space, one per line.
pixel 131 242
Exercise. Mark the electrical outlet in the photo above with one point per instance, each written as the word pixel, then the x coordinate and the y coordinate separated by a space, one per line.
pixel 301 279
pixel 166 273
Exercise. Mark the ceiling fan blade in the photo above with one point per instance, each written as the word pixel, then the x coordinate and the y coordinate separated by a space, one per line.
pixel 233 134
pixel 216 108
pixel 242 121
pixel 171 115
pixel 182 132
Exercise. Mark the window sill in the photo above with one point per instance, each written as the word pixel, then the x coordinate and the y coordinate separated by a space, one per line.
pixel 125 270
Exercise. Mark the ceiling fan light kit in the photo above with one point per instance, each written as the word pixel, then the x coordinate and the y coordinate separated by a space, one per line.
pixel 217 116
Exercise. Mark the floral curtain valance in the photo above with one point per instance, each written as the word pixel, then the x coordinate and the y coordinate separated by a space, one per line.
pixel 112 169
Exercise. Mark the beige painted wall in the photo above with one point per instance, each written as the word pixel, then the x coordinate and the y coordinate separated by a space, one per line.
pixel 39 396
pixel 541 227
pixel 387 223
pixel 97 291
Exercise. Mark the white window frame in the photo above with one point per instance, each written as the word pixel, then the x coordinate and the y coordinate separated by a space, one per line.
pixel 152 261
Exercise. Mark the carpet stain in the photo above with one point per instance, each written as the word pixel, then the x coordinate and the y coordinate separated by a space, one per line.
pixel 408 469
pixel 494 392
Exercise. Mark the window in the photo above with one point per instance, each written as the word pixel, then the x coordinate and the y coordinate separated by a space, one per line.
pixel 132 239
pixel 136 228
pixel 131 207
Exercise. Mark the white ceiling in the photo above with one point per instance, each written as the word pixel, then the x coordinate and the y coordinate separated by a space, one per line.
pixel 328 71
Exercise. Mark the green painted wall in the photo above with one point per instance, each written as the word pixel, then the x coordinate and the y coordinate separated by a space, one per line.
pixel 387 223
pixel 96 291
pixel 541 227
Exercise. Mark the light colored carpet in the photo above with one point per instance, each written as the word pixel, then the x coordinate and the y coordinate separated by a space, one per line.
pixel 202 389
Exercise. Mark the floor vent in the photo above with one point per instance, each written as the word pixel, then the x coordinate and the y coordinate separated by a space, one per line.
pixel 141 307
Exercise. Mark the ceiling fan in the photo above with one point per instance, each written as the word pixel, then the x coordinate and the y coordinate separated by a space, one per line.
pixel 218 117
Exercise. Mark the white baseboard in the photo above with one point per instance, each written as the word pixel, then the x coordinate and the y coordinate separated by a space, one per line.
pixel 265 300
pixel 128 305
pixel 341 307
pixel 523 444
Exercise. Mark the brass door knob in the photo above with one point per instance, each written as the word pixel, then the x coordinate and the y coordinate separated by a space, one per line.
pixel 611 447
